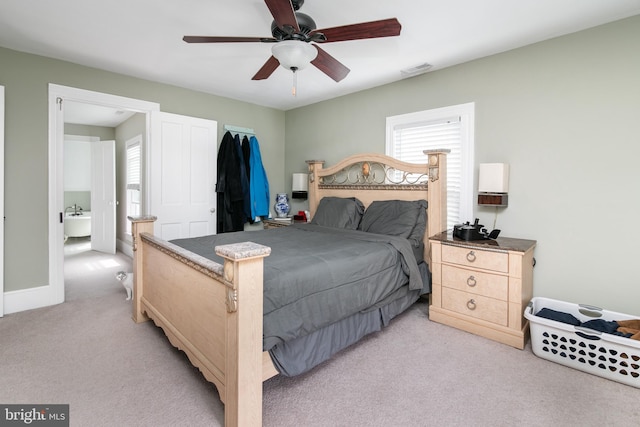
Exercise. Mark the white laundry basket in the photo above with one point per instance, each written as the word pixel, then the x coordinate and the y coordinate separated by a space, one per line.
pixel 610 356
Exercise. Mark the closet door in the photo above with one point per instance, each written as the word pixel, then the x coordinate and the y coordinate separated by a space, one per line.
pixel 182 177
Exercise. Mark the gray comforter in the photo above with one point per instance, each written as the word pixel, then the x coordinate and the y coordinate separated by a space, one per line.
pixel 316 276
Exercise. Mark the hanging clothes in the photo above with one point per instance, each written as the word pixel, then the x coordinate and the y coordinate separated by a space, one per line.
pixel 244 180
pixel 246 152
pixel 229 187
pixel 258 182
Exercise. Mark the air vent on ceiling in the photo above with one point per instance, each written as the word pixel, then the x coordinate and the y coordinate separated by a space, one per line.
pixel 417 70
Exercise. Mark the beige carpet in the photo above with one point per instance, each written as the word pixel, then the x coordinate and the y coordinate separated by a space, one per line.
pixel 89 274
pixel 88 353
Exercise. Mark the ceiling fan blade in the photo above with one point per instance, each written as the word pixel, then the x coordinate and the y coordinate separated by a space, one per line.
pixel 283 13
pixel 267 69
pixel 366 30
pixel 329 65
pixel 213 39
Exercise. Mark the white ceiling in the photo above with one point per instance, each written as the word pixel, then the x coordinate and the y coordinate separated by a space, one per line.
pixel 95 115
pixel 143 38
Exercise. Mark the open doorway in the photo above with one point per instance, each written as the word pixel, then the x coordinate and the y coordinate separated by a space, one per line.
pixel 90 199
pixel 89 164
pixel 89 115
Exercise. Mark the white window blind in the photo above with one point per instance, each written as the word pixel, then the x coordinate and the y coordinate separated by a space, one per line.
pixel 134 172
pixel 133 166
pixel 408 135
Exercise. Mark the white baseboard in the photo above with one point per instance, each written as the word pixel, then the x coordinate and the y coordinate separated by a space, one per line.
pixel 29 299
pixel 125 247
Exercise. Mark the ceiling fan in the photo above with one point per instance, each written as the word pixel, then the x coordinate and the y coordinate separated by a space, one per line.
pixel 293 34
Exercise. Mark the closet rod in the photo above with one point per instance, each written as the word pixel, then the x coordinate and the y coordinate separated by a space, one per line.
pixel 238 129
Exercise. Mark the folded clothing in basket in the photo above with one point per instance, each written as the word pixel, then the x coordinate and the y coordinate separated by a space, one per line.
pixel 558 316
pixel 630 327
pixel 624 328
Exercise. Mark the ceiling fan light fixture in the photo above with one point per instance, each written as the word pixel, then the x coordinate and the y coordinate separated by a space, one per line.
pixel 294 54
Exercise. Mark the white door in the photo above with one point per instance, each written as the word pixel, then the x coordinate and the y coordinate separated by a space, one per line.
pixel 2 200
pixel 103 196
pixel 182 177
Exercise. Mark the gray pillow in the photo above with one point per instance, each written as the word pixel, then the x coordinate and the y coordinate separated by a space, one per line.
pixel 401 218
pixel 339 212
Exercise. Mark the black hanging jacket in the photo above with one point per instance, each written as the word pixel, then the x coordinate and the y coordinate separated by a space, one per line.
pixel 229 187
pixel 244 180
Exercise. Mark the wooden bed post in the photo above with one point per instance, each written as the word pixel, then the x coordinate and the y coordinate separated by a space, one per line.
pixel 314 167
pixel 143 224
pixel 437 194
pixel 243 273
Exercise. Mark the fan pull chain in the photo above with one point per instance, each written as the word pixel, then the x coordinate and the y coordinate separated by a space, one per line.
pixel 294 89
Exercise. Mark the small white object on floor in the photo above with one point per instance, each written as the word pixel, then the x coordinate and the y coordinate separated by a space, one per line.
pixel 127 282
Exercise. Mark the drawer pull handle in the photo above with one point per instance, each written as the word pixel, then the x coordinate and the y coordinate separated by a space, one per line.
pixel 471 281
pixel 471 256
pixel 471 304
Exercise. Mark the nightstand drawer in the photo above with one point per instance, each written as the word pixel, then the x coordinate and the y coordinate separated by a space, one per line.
pixel 476 258
pixel 476 282
pixel 489 309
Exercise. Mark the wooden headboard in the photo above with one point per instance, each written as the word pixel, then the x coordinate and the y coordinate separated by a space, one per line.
pixel 372 176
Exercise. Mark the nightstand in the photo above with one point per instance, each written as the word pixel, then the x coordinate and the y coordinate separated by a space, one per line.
pixel 482 286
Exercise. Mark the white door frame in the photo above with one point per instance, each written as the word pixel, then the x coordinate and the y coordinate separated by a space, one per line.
pixel 54 292
pixel 2 200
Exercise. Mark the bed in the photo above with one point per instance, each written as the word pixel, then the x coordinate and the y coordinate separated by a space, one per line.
pixel 216 298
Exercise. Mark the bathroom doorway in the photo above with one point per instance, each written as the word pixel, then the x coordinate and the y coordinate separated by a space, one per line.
pixel 77 183
pixel 90 197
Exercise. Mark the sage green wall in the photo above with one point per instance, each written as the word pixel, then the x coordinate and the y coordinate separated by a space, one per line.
pixel 26 78
pixel 564 113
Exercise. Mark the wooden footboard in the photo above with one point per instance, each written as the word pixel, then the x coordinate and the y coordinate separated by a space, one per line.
pixel 203 312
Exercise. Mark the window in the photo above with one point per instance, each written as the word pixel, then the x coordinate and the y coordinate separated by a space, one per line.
pixel 133 178
pixel 449 127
